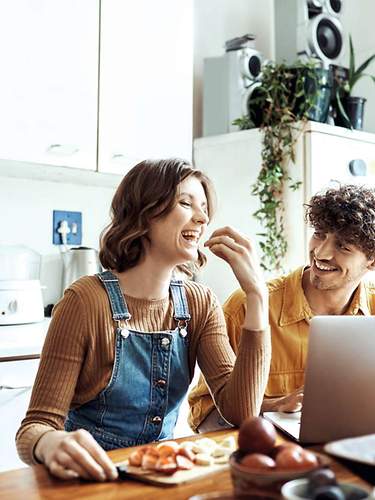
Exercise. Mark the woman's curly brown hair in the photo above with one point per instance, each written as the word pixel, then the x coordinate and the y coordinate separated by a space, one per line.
pixel 347 211
pixel 147 191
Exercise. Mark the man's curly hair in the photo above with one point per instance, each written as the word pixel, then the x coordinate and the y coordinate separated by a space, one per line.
pixel 349 212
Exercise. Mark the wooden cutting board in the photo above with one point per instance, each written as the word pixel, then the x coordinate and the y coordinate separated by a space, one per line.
pixel 179 477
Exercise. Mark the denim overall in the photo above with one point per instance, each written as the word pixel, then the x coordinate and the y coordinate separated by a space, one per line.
pixel 149 380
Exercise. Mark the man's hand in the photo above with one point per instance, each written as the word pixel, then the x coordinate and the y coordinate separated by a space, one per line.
pixel 69 455
pixel 289 404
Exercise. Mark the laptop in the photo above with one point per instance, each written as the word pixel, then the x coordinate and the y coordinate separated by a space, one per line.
pixel 339 391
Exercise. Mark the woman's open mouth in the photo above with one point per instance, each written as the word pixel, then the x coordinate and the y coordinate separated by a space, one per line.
pixel 191 236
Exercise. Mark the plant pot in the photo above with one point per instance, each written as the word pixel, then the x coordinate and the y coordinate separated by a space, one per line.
pixel 354 108
pixel 313 79
pixel 323 82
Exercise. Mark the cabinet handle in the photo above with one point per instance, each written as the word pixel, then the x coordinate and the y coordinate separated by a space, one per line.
pixel 62 149
pixel 358 167
pixel 125 159
pixel 15 387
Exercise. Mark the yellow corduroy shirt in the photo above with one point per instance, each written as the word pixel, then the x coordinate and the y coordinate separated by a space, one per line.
pixel 289 316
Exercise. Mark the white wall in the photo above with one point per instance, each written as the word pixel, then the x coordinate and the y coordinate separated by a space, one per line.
pixel 216 21
pixel 26 218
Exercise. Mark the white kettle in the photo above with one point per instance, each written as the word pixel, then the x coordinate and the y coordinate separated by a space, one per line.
pixel 77 262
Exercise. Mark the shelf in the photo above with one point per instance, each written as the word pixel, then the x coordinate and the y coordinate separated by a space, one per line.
pixel 323 128
pixel 52 173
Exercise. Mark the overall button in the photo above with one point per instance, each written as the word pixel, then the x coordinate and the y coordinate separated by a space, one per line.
pixel 161 382
pixel 165 342
pixel 124 332
pixel 156 420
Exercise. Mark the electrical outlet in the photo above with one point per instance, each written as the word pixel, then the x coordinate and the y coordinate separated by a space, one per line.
pixel 74 224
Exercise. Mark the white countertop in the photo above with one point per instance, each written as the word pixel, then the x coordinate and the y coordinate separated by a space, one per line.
pixel 22 340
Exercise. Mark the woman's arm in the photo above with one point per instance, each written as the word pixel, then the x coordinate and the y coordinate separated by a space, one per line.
pixel 41 436
pixel 238 385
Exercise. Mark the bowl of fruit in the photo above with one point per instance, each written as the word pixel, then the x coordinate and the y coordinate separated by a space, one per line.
pixel 322 485
pixel 261 466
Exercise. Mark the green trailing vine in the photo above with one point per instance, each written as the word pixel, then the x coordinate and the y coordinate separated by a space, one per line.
pixel 286 95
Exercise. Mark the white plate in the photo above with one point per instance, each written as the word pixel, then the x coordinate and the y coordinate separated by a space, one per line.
pixel 360 449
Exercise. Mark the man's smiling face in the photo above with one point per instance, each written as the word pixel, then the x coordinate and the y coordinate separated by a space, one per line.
pixel 335 264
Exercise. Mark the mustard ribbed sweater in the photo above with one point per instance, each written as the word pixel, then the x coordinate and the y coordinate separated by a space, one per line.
pixel 78 355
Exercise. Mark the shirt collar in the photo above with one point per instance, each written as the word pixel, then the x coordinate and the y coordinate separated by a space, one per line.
pixel 295 307
pixel 359 301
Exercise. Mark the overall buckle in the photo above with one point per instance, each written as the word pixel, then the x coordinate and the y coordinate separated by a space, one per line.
pixel 182 327
pixel 122 328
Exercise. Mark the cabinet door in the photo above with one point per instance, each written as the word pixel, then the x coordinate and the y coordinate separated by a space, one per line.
pixel 13 406
pixel 232 162
pixel 48 84
pixel 337 157
pixel 332 159
pixel 16 380
pixel 146 68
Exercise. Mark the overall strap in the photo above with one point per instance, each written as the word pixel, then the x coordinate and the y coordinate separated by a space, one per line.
pixel 115 295
pixel 180 305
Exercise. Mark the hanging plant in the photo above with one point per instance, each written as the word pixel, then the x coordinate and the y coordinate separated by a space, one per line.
pixel 285 95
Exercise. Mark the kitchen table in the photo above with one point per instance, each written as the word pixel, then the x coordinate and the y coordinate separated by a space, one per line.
pixel 34 483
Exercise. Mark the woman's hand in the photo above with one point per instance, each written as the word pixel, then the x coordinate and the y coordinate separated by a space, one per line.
pixel 69 455
pixel 239 252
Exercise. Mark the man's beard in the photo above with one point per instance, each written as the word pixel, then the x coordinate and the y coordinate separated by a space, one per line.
pixel 320 284
pixel 338 282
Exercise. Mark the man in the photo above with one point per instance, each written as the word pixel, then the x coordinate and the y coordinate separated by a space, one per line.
pixel 341 252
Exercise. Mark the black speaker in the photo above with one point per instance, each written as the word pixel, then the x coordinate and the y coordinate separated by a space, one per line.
pixel 309 29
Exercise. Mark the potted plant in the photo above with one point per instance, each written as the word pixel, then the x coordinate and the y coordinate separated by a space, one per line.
pixel 283 95
pixel 350 109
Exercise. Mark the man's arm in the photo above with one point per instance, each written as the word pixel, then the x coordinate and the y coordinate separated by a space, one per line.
pixel 290 403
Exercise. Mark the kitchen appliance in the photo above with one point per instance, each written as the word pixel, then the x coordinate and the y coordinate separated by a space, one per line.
pixel 21 298
pixel 77 262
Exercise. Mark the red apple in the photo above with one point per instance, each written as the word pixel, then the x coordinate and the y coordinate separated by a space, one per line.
pixel 258 461
pixel 256 435
pixel 294 458
pixel 280 447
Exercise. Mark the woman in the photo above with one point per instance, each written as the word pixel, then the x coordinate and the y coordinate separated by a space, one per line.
pixel 122 345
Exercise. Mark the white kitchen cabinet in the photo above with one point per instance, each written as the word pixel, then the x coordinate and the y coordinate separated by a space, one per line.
pixel 146 82
pixel 16 380
pixel 324 156
pixel 53 79
pixel 48 85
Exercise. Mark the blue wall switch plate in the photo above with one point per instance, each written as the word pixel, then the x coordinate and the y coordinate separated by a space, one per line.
pixel 70 220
